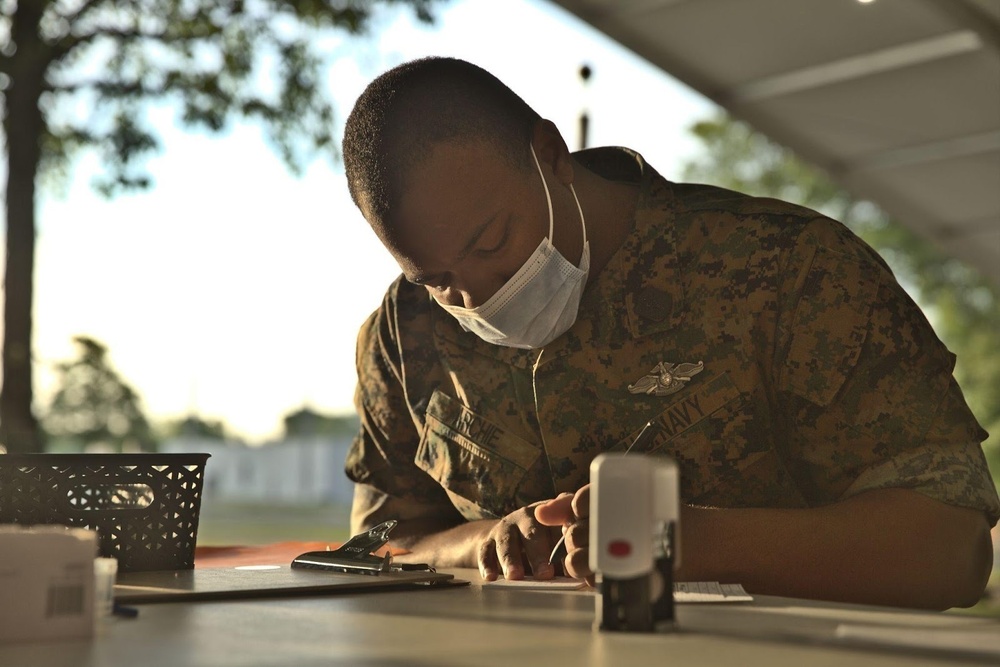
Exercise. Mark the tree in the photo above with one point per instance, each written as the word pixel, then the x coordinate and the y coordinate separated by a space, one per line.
pixel 963 306
pixel 308 422
pixel 94 406
pixel 217 59
pixel 193 426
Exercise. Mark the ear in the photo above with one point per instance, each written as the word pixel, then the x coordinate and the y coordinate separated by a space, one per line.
pixel 551 150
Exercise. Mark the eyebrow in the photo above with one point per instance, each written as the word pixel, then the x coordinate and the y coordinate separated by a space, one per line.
pixel 473 240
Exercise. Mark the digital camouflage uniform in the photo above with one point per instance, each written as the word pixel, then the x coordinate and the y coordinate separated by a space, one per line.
pixel 821 378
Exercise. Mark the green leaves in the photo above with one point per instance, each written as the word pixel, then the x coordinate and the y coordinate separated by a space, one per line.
pixel 217 60
pixel 79 74
pixel 94 406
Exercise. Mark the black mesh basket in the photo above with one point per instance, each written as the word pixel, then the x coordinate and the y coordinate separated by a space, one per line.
pixel 144 507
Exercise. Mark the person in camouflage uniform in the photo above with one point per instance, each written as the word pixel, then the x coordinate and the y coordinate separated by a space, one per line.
pixel 825 449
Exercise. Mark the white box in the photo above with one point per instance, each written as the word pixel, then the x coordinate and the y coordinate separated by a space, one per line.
pixel 46 582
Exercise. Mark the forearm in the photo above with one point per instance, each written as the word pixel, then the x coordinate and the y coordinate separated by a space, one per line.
pixel 891 547
pixel 441 545
pixel 430 533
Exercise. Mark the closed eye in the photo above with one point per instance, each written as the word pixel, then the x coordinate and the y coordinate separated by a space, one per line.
pixel 498 245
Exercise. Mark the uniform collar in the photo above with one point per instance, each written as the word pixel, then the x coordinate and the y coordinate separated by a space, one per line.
pixel 640 285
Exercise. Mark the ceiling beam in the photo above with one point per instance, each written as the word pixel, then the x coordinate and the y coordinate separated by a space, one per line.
pixel 855 67
pixel 971 144
pixel 974 18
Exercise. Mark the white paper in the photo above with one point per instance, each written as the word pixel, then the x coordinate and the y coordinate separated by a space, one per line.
pixel 684 591
pixel 532 584
pixel 709 591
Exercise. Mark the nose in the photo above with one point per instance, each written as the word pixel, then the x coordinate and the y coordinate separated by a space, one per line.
pixel 469 294
pixel 457 297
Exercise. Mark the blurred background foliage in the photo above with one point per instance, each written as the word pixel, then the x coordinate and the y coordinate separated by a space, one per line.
pixel 79 75
pixel 95 409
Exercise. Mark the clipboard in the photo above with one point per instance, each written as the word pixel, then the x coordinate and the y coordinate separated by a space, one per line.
pixel 263 581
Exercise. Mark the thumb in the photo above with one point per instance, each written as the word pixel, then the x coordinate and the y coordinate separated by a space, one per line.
pixel 556 512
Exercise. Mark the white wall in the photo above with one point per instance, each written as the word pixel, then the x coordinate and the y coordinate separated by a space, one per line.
pixel 306 469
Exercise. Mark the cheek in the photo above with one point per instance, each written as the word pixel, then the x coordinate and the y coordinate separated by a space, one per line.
pixel 475 283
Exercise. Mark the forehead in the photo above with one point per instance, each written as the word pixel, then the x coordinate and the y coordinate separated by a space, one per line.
pixel 446 197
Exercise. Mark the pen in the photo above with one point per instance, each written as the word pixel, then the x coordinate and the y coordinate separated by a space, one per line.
pixel 555 550
pixel 647 433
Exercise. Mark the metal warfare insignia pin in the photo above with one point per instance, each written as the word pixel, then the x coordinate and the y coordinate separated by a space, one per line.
pixel 665 379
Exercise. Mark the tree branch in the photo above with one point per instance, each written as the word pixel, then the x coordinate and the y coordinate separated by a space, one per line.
pixel 201 30
pixel 111 89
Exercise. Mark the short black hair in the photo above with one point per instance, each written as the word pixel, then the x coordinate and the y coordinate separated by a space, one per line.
pixel 412 106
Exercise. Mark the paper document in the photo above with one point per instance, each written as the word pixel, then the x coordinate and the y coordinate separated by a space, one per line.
pixel 709 591
pixel 532 584
pixel 684 591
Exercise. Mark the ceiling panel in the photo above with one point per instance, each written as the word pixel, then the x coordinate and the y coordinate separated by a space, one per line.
pixel 962 191
pixel 806 34
pixel 869 115
pixel 898 100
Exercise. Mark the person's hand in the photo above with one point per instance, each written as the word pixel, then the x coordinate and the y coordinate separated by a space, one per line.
pixel 516 544
pixel 571 511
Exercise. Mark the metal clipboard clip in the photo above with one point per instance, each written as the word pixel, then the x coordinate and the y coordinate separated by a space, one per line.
pixel 355 555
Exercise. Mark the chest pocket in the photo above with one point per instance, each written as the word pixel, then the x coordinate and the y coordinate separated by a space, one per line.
pixel 477 462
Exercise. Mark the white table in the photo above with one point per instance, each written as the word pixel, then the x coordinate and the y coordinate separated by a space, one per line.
pixel 477 625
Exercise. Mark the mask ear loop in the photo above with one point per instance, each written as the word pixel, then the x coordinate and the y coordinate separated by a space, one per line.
pixel 548 198
pixel 580 210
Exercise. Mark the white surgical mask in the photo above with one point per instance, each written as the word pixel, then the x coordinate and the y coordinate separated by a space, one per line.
pixel 540 302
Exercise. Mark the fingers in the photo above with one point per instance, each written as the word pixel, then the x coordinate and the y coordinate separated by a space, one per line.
pixel 508 552
pixel 555 512
pixel 500 557
pixel 581 502
pixel 524 539
pixel 537 545
pixel 515 544
pixel 577 536
pixel 571 511
pixel 564 509
pixel 577 565
pixel 489 566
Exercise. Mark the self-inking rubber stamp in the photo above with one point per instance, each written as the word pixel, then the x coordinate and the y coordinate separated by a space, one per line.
pixel 634 540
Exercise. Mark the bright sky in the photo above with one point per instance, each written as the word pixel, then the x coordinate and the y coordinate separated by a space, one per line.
pixel 234 289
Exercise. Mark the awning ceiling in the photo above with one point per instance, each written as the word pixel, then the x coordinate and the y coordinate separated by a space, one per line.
pixel 898 100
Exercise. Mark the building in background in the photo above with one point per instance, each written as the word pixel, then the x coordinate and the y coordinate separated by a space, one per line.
pixel 305 467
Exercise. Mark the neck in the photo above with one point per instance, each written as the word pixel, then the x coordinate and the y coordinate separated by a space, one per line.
pixel 610 210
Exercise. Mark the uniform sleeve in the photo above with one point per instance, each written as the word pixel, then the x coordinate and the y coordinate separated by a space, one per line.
pixel 867 387
pixel 388 484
